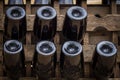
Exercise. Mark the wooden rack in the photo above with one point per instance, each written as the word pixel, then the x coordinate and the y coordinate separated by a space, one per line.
pixel 103 23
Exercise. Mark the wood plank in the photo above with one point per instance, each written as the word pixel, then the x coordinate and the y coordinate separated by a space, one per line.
pixel 87 70
pixel 28 7
pixel 93 2
pixel 99 35
pixel 116 71
pixel 29 52
pixel 103 10
pixel 1 7
pixel 88 51
pixel 30 22
pixel 115 38
pixel 1 22
pixel 110 22
pixel 28 69
pixel 58 52
pixel 1 63
pixel 1 39
pixel 118 54
pixel 32 1
pixel 84 5
pixel 113 7
pixel 86 39
pixel 57 7
pixel 28 38
pixel 61 22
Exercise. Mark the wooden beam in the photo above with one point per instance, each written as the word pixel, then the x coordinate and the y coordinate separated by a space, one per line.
pixel 93 2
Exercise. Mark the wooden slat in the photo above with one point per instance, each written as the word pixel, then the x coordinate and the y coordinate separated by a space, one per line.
pixel 1 21
pixel 28 38
pixel 103 10
pixel 115 38
pixel 1 39
pixel 86 39
pixel 94 2
pixel 30 22
pixel 28 7
pixel 99 35
pixel 110 22
pixel 118 56
pixel 88 51
pixel 29 52
pixel 1 7
pixel 32 1
pixel 1 61
pixel 87 70
pixel 113 7
pixel 84 5
pixel 116 71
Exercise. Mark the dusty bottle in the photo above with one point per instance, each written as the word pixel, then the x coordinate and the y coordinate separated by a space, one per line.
pixel 14 2
pixel 44 62
pixel 104 60
pixel 71 61
pixel 43 1
pixel 14 59
pixel 15 24
pixel 66 1
pixel 45 23
pixel 75 23
pixel 117 1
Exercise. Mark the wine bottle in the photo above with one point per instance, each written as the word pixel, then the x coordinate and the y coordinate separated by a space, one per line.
pixel 45 23
pixel 14 59
pixel 13 2
pixel 15 24
pixel 71 61
pixel 75 23
pixel 66 1
pixel 44 62
pixel 42 2
pixel 104 60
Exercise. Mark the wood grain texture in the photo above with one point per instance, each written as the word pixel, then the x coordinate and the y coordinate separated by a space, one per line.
pixel 94 2
pixel 1 22
pixel 110 22
pixel 29 52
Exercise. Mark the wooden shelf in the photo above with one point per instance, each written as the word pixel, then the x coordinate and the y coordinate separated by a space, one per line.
pixel 103 23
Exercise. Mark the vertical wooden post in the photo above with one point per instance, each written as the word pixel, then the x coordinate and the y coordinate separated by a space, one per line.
pixel 1 7
pixel 28 6
pixel 113 7
pixel 84 4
